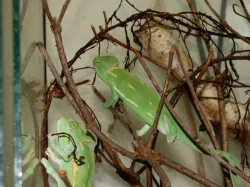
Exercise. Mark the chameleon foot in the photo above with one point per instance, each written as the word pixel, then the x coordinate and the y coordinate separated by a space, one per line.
pixel 143 130
pixel 52 172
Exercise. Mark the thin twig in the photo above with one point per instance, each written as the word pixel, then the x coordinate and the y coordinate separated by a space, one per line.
pixel 56 75
pixel 226 24
pixel 204 69
pixel 105 19
pixel 64 8
pixel 187 172
pixel 149 176
pixel 205 121
pixel 245 10
pixel 159 109
pixel 63 175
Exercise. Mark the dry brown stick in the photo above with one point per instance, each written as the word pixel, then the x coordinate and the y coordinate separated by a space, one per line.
pixel 225 24
pixel 225 84
pixel 46 110
pixel 109 37
pixel 204 69
pixel 203 117
pixel 56 29
pixel 223 120
pixel 149 176
pixel 219 89
pixel 189 133
pixel 160 105
pixel 197 21
pixel 46 8
pixel 245 10
pixel 107 159
pixel 222 59
pixel 187 172
pixel 127 173
pixel 210 129
pixel 43 136
pixel 153 132
pixel 56 75
pixel 205 121
pixel 210 57
pixel 151 159
pixel 105 19
pixel 64 8
pixel 84 111
pixel 219 92
pixel 63 175
pixel 219 60
pixel 222 111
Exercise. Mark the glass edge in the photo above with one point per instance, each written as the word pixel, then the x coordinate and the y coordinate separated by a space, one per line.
pixel 1 102
pixel 17 147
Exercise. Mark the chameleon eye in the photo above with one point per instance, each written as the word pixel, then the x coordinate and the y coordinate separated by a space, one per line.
pixel 98 62
pixel 73 124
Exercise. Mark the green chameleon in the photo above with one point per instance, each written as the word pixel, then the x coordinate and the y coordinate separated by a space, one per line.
pixel 79 167
pixel 144 102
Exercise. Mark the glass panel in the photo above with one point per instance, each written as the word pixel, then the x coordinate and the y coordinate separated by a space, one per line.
pixel 7 42
pixel 1 101
pixel 21 88
pixel 17 144
pixel 33 80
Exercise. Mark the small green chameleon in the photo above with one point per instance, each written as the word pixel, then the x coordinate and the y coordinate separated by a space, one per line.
pixel 79 167
pixel 142 100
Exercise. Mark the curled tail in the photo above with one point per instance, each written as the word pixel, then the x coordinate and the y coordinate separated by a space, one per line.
pixel 231 161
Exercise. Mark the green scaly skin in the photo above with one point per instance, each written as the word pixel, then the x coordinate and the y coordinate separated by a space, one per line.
pixel 79 175
pixel 142 100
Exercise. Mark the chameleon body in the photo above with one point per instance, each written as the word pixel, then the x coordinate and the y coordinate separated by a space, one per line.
pixel 142 100
pixel 79 174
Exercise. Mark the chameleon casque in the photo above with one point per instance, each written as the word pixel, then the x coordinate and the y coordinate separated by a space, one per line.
pixel 80 174
pixel 142 100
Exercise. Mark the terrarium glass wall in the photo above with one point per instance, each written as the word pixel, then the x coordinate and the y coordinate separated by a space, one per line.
pixel 22 87
pixel 33 87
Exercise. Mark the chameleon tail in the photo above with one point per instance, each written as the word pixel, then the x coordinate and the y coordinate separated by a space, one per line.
pixel 231 161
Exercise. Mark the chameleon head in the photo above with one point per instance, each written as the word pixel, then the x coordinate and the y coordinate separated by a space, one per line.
pixel 102 64
pixel 69 126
